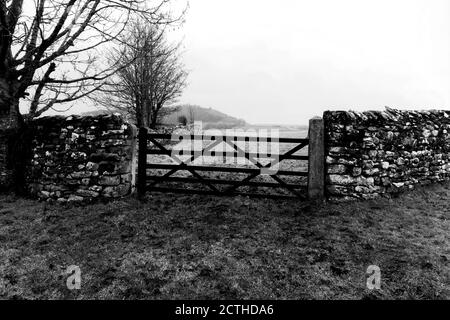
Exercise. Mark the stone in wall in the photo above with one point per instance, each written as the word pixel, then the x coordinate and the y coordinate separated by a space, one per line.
pixel 81 158
pixel 378 153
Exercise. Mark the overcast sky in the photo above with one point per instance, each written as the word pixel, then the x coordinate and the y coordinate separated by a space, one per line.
pixel 286 61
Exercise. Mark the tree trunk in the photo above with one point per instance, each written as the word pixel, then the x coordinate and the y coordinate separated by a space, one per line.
pixel 141 116
pixel 147 113
pixel 12 138
pixel 10 118
pixel 149 117
pixel 139 121
pixel 154 116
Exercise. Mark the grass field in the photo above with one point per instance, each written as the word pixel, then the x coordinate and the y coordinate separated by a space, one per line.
pixel 195 247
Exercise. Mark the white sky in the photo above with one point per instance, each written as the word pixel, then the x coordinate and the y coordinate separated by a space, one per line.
pixel 285 61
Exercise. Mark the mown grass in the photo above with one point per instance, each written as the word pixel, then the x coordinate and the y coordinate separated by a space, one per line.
pixel 200 247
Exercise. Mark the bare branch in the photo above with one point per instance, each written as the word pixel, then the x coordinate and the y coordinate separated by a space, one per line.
pixel 151 77
pixel 56 54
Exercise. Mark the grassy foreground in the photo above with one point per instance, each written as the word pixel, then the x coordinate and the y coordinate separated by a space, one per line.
pixel 199 247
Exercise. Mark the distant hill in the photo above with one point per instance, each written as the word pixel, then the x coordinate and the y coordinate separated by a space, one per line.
pixel 96 112
pixel 210 118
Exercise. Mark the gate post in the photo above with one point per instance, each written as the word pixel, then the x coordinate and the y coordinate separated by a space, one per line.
pixel 142 162
pixel 316 160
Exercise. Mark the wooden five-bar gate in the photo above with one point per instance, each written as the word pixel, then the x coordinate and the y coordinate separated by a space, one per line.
pixel 262 176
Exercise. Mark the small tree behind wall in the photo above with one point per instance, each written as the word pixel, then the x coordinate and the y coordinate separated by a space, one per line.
pixel 151 75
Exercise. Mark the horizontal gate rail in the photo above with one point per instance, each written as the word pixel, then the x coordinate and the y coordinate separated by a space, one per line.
pixel 166 136
pixel 221 181
pixel 225 154
pixel 181 167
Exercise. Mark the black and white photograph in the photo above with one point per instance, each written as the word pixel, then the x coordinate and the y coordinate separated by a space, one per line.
pixel 223 155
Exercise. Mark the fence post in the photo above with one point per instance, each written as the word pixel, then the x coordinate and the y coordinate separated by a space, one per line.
pixel 142 162
pixel 316 160
pixel 134 147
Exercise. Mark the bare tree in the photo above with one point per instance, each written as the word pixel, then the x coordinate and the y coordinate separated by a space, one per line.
pixel 151 76
pixel 51 54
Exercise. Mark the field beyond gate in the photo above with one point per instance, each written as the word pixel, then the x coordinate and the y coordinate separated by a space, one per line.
pixel 245 165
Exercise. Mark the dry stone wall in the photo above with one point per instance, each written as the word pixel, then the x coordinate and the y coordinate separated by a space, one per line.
pixel 82 158
pixel 378 153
